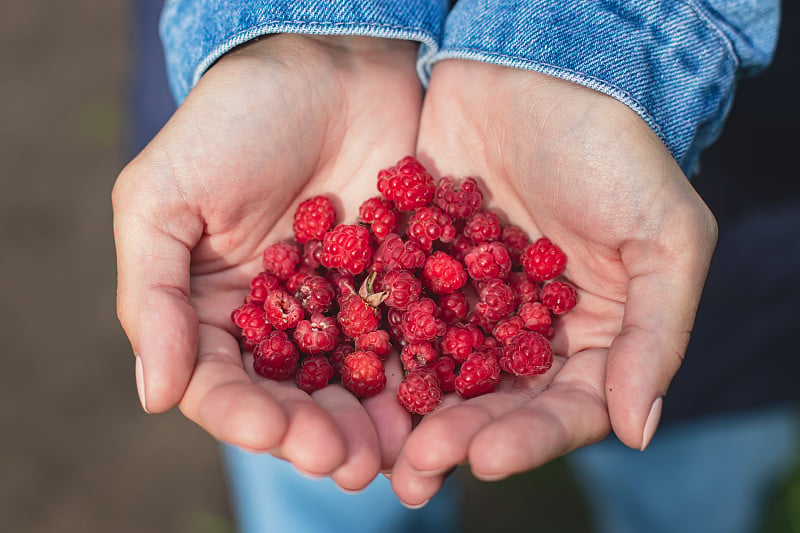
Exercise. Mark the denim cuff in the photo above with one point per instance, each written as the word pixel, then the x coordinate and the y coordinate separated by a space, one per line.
pixel 196 33
pixel 675 63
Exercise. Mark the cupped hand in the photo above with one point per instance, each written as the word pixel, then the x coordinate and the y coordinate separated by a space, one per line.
pixel 581 168
pixel 270 124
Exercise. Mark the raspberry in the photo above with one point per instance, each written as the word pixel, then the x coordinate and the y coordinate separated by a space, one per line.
pixel 315 373
pixel 402 288
pixel 460 245
pixel 346 247
pixel 524 287
pixel 407 184
pixel 543 260
pixel 311 251
pixel 281 259
pixel 292 284
pixel 528 354
pixel 420 322
pixel 515 241
pixel 417 354
pixel 445 368
pixel 507 328
pixel 356 316
pixel 443 273
pixel 363 373
pixel 282 310
pixel 429 224
pixel 394 325
pixel 536 317
pixel 250 318
pixel 453 307
pixel 343 284
pixel 496 301
pixel 375 341
pixel 337 355
pixel 419 392
pixel 381 216
pixel 396 254
pixel 313 218
pixel 488 260
pixel 482 226
pixel 458 198
pixel 276 357
pixel 315 294
pixel 460 340
pixel 260 285
pixel 559 297
pixel 316 335
pixel 480 374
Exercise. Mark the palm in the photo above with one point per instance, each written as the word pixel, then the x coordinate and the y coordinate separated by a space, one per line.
pixel 580 168
pixel 194 211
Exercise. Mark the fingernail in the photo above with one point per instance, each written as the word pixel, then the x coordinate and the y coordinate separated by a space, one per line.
pixel 415 507
pixel 651 424
pixel 140 383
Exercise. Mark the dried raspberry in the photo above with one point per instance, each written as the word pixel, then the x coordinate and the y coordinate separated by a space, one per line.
pixel 407 184
pixel 419 392
pixel 282 311
pixel 346 247
pixel 420 322
pixel 496 300
pixel 252 321
pixel 281 259
pixel 445 368
pixel 515 241
pixel 482 226
pixel 443 273
pixel 429 224
pixel 276 357
pixel 356 316
pixel 524 287
pixel 260 285
pixel 458 198
pixel 536 317
pixel 480 374
pixel 375 341
pixel 543 260
pixel 315 294
pixel 313 218
pixel 507 328
pixel 363 373
pixel 418 354
pixel 314 374
pixel 460 340
pixel 453 307
pixel 528 354
pixel 488 260
pixel 316 335
pixel 559 297
pixel 402 288
pixel 292 284
pixel 396 254
pixel 380 215
pixel 311 251
pixel 337 355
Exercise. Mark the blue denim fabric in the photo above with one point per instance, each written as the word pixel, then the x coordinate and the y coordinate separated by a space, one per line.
pixel 674 62
pixel 196 33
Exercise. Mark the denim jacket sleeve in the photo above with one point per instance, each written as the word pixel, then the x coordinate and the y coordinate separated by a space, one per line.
pixel 674 62
pixel 196 33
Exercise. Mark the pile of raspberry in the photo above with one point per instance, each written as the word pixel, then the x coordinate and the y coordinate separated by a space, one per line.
pixel 427 272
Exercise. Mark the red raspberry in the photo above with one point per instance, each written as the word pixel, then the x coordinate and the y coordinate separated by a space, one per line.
pixel 260 285
pixel 396 254
pixel 316 335
pixel 363 373
pixel 488 260
pixel 507 328
pixel 282 310
pixel 480 374
pixel 482 226
pixel 418 354
pixel 281 259
pixel 419 392
pixel 458 198
pixel 543 260
pixel 375 341
pixel 407 184
pixel 402 288
pixel 490 350
pixel 337 355
pixel 343 283
pixel 250 318
pixel 559 297
pixel 496 300
pixel 429 224
pixel 420 322
pixel 381 216
pixel 524 287
pixel 453 307
pixel 536 317
pixel 460 340
pixel 458 248
pixel 445 368
pixel 346 247
pixel 394 325
pixel 315 294
pixel 515 241
pixel 314 374
pixel 313 218
pixel 356 316
pixel 443 273
pixel 311 251
pixel 292 284
pixel 276 357
pixel 528 354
